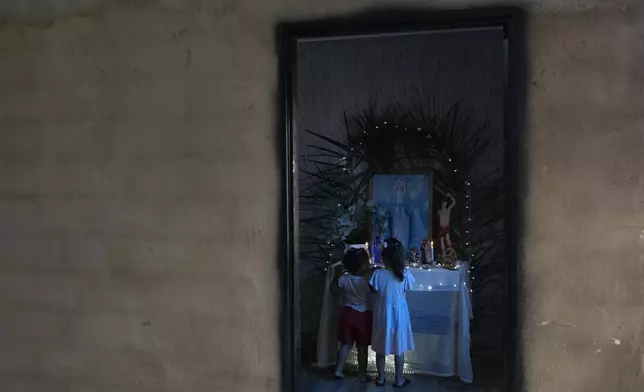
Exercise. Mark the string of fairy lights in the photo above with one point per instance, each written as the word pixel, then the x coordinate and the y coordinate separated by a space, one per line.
pixel 469 255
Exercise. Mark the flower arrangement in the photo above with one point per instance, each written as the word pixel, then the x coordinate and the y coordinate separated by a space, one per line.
pixel 352 223
pixel 345 223
pixel 449 258
pixel 379 217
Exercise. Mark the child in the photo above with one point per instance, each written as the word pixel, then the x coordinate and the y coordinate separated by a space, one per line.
pixel 355 318
pixel 391 324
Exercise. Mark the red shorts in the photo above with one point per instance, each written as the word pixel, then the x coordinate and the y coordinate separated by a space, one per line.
pixel 355 327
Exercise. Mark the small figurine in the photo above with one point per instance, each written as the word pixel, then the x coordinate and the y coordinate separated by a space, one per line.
pixel 444 223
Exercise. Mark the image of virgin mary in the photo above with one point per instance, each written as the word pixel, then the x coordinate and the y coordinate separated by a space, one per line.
pixel 405 222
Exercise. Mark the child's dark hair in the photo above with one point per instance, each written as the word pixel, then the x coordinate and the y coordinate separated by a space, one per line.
pixel 354 260
pixel 394 257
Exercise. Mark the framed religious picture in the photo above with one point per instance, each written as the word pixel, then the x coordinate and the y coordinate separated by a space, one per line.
pixel 403 210
pixel 401 125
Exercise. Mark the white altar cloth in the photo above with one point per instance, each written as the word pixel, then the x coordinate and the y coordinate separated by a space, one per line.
pixel 440 310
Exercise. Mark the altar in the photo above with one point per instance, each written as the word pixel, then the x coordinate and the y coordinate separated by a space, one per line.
pixel 440 310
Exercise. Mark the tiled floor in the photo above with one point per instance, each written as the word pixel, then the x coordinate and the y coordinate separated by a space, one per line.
pixel 321 381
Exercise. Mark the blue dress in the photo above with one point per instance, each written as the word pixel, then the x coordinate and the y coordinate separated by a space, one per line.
pixel 392 333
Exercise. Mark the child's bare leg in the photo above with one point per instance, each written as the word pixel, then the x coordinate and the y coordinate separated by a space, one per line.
pixel 343 353
pixel 362 362
pixel 400 363
pixel 380 365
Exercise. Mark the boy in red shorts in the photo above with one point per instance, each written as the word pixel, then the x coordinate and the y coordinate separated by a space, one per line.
pixel 356 316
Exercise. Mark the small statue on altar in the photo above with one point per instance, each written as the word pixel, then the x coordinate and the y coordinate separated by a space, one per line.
pixel 444 223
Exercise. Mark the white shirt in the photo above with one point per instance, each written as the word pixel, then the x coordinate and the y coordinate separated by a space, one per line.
pixel 356 291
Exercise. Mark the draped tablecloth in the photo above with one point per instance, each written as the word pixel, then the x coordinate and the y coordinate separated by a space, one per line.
pixel 440 309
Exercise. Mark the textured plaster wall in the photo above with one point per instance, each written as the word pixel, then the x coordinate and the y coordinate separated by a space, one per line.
pixel 139 195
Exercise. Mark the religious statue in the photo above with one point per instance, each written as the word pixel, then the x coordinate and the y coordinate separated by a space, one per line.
pixel 444 223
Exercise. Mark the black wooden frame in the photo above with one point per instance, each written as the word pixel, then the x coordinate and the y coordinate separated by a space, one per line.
pixel 394 21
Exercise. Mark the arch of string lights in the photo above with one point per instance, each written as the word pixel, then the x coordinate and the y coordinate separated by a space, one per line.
pixel 447 141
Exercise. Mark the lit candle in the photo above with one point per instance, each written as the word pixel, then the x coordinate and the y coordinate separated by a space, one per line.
pixel 432 247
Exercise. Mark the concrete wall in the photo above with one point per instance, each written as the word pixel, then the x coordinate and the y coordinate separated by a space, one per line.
pixel 139 195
